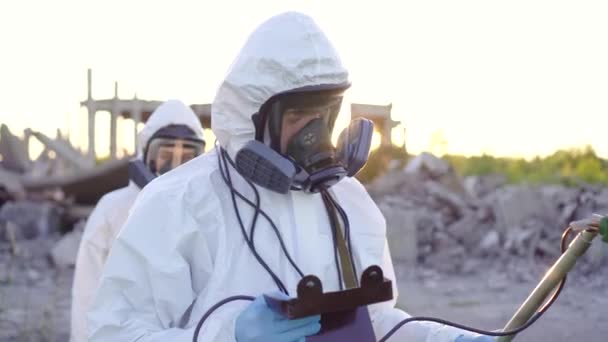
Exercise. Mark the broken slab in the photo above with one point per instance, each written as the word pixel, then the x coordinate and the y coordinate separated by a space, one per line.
pixel 389 183
pixel 11 181
pixel 480 186
pixel 15 156
pixel 468 230
pixel 601 202
pixel 85 186
pixel 451 199
pixel 10 231
pixel 447 255
pixel 513 205
pixel 490 242
pixel 518 240
pixel 428 167
pixel 401 231
pixel 560 194
pixel 426 163
pixel 34 219
pixel 63 150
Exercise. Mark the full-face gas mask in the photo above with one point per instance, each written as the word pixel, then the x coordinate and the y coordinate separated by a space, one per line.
pixel 167 149
pixel 293 148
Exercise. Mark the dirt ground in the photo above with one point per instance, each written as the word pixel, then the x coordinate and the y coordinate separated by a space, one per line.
pixel 35 300
pixel 489 300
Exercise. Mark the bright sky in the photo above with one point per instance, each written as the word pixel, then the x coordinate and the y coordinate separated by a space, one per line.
pixel 518 77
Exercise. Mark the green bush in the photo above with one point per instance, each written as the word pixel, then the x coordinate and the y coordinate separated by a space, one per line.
pixel 567 167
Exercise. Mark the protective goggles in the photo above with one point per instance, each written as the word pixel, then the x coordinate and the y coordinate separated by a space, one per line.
pixel 165 154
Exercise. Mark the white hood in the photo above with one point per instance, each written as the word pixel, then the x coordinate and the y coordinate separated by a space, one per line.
pixel 172 112
pixel 286 52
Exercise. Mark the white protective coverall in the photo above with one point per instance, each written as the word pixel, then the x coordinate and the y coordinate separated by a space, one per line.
pixel 109 216
pixel 181 250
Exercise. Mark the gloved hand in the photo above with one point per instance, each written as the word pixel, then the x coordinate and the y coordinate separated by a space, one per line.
pixel 475 338
pixel 259 323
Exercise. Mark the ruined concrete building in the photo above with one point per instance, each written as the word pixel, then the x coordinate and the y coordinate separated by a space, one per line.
pixel 135 109
pixel 380 116
pixel 64 167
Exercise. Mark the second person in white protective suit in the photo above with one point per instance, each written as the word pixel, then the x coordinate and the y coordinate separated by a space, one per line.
pixel 253 216
pixel 172 135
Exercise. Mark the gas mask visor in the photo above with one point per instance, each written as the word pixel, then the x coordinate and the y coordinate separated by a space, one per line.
pixel 287 114
pixel 166 153
pixel 300 127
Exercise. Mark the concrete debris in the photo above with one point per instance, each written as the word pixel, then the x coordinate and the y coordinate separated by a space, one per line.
pixel 480 186
pixel 10 233
pixel 467 231
pixel 60 166
pixel 10 181
pixel 429 167
pixel 518 239
pixel 514 205
pixel 402 237
pixel 429 164
pixel 33 219
pixel 457 226
pixel 597 253
pixel 14 152
pixel 63 149
pixel 64 253
pixel 490 242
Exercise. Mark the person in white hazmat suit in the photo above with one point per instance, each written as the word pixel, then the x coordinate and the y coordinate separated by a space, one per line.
pixel 216 227
pixel 172 135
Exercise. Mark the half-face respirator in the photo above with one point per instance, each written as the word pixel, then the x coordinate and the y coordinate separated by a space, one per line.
pixel 293 149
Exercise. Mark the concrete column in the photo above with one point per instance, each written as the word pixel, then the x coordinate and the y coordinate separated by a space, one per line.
pixel 136 115
pixel 113 122
pixel 91 112
pixel 386 132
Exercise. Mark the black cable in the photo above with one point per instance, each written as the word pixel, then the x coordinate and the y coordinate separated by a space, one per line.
pixel 265 215
pixel 460 326
pixel 199 325
pixel 251 245
pixel 228 181
pixel 275 278
pixel 531 321
pixel 327 201
pixel 347 233
pixel 334 227
pixel 257 209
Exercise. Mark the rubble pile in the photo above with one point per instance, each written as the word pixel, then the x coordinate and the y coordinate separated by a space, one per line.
pixel 435 219
pixel 17 169
pixel 40 223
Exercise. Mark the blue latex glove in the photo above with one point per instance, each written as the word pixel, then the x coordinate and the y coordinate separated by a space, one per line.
pixel 478 338
pixel 259 323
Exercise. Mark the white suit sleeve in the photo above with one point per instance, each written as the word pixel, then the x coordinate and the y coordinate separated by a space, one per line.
pixel 147 285
pixel 92 253
pixel 385 316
